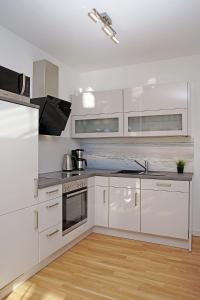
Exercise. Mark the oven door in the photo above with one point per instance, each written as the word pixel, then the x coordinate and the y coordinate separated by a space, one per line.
pixel 74 210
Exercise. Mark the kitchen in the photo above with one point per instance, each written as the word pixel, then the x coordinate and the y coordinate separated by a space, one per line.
pixel 130 222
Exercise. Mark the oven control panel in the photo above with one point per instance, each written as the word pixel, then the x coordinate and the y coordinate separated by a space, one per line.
pixel 74 185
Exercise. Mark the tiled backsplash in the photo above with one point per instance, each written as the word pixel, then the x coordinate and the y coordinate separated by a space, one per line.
pixel 161 156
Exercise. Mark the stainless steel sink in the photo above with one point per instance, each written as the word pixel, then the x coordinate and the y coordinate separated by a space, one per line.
pixel 129 172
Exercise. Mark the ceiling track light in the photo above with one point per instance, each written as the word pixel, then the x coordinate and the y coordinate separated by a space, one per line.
pixel 107 23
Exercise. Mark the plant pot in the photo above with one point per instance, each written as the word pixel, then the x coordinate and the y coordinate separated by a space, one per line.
pixel 180 169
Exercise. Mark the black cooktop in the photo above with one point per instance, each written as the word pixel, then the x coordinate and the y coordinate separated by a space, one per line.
pixel 62 175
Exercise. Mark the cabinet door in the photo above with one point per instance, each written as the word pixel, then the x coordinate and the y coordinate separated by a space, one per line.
pixel 124 209
pixel 104 125
pixel 156 123
pixel 156 97
pixel 19 244
pixel 165 213
pixel 101 206
pixel 19 156
pixel 103 102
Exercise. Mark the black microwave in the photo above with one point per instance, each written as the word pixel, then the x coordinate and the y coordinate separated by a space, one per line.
pixel 14 82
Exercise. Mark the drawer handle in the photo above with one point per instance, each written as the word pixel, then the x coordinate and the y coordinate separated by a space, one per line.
pixel 164 184
pixel 52 233
pixel 54 191
pixel 53 205
pixel 36 219
pixel 35 187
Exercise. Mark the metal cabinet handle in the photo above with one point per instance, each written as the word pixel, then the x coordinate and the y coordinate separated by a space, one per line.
pixel 164 184
pixel 52 233
pixel 36 219
pixel 135 199
pixel 104 196
pixel 54 191
pixel 35 187
pixel 53 205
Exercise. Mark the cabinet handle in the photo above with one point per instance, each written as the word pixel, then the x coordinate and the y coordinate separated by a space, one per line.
pixel 104 196
pixel 164 184
pixel 54 191
pixel 52 233
pixel 36 219
pixel 135 199
pixel 35 187
pixel 53 205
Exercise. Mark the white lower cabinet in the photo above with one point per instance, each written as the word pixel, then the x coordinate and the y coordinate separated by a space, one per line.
pixel 124 209
pixel 165 213
pixel 50 241
pixel 101 206
pixel 18 244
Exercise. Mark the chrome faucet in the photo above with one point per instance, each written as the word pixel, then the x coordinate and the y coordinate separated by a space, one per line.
pixel 145 166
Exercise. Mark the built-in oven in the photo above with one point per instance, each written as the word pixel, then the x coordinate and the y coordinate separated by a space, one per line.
pixel 74 205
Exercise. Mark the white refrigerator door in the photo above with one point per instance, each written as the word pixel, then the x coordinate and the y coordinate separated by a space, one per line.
pixel 18 156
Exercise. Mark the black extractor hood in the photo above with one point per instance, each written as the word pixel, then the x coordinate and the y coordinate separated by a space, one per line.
pixel 53 112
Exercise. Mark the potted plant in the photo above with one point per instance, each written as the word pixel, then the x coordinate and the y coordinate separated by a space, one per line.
pixel 180 166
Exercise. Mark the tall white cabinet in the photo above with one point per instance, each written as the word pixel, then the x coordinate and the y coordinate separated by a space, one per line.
pixel 19 156
pixel 19 244
pixel 18 177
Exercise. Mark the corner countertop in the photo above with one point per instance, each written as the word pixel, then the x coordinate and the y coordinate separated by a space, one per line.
pixel 53 178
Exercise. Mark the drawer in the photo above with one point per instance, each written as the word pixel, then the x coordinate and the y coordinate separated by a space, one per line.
pixel 165 185
pixel 100 180
pixel 50 241
pixel 133 183
pixel 50 213
pixel 50 192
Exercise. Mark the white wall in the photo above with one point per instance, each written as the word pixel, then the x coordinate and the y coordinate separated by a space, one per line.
pixel 18 54
pixel 179 69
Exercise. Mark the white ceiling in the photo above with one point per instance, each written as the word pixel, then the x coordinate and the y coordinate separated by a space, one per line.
pixel 148 30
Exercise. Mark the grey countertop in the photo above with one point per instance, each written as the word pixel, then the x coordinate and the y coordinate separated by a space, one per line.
pixel 53 178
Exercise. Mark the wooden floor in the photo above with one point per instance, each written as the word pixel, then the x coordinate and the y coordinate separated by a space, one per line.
pixel 107 268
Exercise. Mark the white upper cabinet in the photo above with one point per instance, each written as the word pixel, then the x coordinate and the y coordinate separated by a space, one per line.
pixel 102 125
pixel 156 123
pixel 103 102
pixel 156 97
pixel 157 110
pixel 97 114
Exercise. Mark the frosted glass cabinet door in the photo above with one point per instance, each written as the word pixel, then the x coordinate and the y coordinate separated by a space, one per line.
pixel 156 123
pixel 98 125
